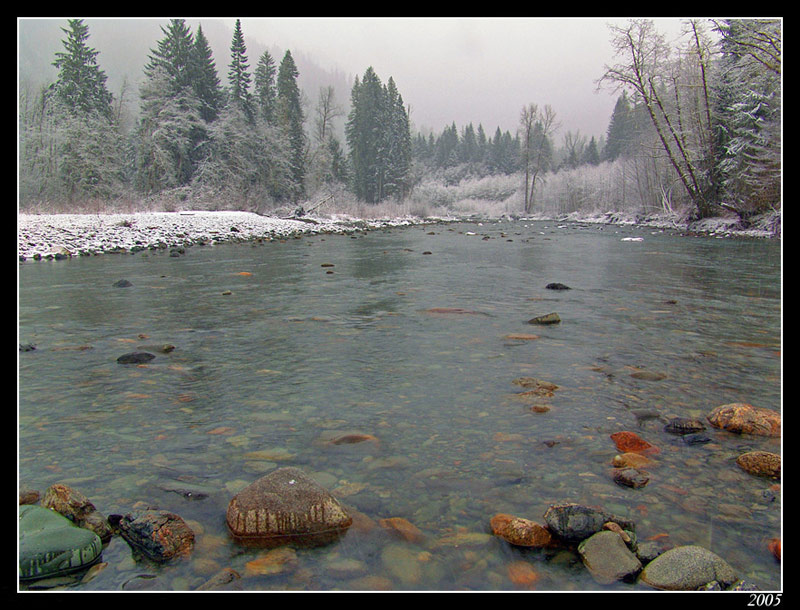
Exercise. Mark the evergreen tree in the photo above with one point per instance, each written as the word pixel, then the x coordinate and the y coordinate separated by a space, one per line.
pixel 397 145
pixel 80 84
pixel 238 74
pixel 290 118
pixel 748 114
pixel 364 130
pixel 172 124
pixel 591 155
pixel 172 58
pixel 447 148
pixel 204 77
pixel 264 87
pixel 620 129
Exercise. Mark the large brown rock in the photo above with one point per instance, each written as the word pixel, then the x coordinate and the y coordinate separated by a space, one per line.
pixel 286 506
pixel 743 418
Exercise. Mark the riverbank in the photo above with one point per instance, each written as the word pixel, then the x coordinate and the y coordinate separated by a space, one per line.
pixel 59 236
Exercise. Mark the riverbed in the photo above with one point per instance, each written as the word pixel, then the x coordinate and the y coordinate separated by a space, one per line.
pixel 412 335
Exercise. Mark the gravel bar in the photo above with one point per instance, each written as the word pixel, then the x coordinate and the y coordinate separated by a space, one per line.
pixel 59 236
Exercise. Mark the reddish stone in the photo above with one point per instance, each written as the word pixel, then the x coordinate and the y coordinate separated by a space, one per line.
pixel 522 574
pixel 630 442
pixel 403 528
pixel 774 546
pixel 519 531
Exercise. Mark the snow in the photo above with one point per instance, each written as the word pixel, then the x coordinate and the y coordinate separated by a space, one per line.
pixel 63 235
pixel 51 235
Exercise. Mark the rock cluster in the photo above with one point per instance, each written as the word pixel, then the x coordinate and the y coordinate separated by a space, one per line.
pixel 608 547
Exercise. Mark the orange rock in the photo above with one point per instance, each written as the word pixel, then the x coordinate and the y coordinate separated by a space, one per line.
pixel 522 574
pixel 519 531
pixel 630 442
pixel 631 460
pixel 274 562
pixel 774 546
pixel 403 527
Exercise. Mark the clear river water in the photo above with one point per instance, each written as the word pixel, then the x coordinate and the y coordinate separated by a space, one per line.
pixel 413 336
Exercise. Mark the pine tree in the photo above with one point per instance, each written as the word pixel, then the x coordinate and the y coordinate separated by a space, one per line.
pixel 397 145
pixel 264 87
pixel 748 114
pixel 172 125
pixel 172 56
pixel 238 74
pixel 363 131
pixel 80 84
pixel 290 118
pixel 591 155
pixel 619 135
pixel 204 77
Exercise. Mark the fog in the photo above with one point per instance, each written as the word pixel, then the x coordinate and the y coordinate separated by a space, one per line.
pixel 448 70
pixel 462 70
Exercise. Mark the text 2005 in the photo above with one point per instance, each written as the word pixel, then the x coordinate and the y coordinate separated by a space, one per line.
pixel 764 599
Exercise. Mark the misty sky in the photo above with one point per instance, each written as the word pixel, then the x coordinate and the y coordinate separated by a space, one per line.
pixel 462 70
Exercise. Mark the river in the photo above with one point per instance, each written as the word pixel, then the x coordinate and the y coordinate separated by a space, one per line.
pixel 410 336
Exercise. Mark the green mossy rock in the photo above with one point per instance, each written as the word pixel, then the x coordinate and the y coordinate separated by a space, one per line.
pixel 51 545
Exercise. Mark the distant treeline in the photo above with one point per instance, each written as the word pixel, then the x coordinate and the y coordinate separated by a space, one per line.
pixel 696 126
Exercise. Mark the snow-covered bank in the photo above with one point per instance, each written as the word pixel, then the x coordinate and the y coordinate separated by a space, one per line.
pixel 766 225
pixel 64 235
pixel 49 236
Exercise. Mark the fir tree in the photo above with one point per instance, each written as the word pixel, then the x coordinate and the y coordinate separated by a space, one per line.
pixel 172 57
pixel 264 87
pixel 238 74
pixel 620 129
pixel 81 84
pixel 290 119
pixel 363 131
pixel 204 77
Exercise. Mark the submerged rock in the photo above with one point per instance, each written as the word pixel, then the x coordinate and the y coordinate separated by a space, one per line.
pixel 557 286
pixel 519 531
pixel 684 425
pixel 76 507
pixel 549 318
pixel 687 568
pixel 608 558
pixel 743 418
pixel 630 442
pixel 575 522
pixel 760 463
pixel 135 358
pixel 158 534
pixel 51 545
pixel 286 506
pixel 630 477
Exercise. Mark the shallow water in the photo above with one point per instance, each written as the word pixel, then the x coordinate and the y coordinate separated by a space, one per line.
pixel 299 353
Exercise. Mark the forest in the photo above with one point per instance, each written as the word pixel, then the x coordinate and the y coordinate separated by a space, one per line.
pixel 695 133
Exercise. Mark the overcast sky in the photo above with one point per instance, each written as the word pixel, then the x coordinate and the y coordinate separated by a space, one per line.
pixel 462 70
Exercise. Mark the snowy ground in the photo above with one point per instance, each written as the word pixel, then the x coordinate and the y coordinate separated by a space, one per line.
pixel 43 236
pixel 64 235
